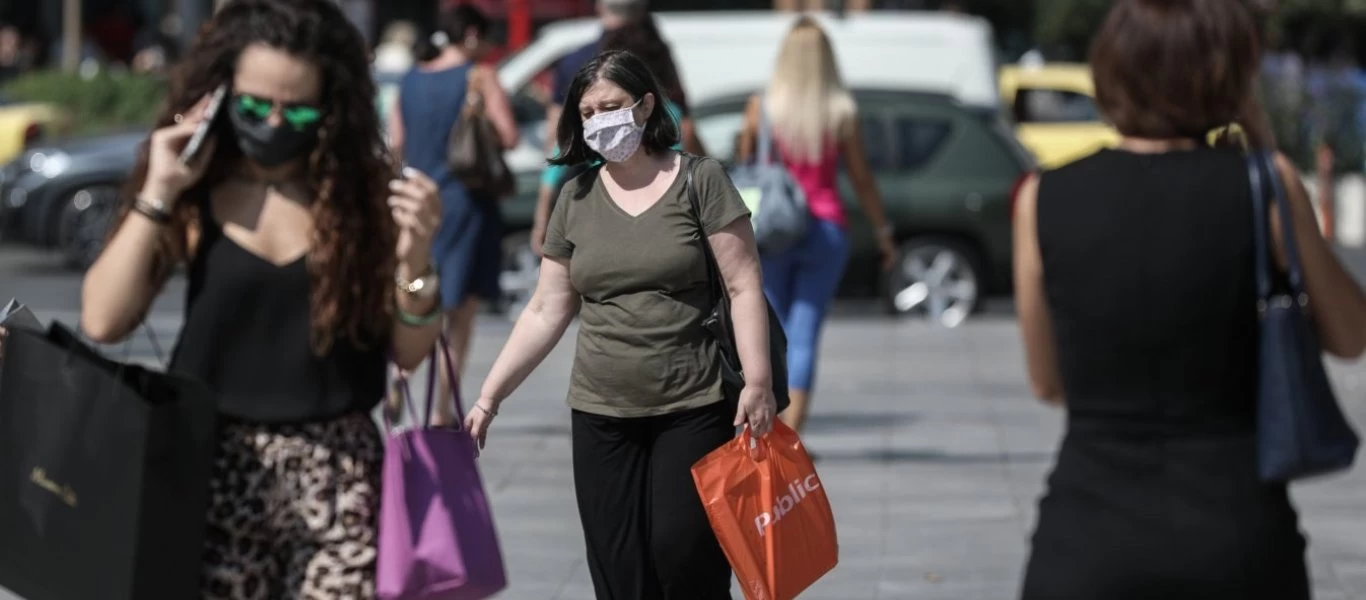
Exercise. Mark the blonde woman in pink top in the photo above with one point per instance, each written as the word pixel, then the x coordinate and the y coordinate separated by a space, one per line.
pixel 814 121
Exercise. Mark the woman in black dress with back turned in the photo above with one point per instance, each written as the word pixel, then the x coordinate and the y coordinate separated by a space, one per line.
pixel 1134 286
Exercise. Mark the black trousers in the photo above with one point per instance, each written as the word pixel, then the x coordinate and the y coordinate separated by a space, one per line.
pixel 647 534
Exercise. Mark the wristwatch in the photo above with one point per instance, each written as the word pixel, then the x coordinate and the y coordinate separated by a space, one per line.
pixel 424 286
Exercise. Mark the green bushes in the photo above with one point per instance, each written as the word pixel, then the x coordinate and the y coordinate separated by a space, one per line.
pixel 107 101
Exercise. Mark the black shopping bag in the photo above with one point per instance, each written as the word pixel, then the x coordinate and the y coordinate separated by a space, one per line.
pixel 104 471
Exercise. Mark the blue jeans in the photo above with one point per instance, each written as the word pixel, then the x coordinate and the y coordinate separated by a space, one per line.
pixel 800 282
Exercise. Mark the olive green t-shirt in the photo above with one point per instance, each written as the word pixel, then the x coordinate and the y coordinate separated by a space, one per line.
pixel 643 281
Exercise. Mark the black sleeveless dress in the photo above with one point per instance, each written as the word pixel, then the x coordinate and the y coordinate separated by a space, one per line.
pixel 1148 276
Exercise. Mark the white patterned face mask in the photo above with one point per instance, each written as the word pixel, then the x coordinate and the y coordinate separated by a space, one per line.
pixel 615 135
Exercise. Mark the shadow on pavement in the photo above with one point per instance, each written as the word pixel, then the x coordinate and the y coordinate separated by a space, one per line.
pixel 931 457
pixel 835 422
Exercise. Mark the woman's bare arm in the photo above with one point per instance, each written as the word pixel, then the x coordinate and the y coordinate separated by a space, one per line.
pixel 538 329
pixel 120 287
pixel 745 147
pixel 1031 307
pixel 1339 306
pixel 497 107
pixel 737 257
pixel 396 131
pixel 861 175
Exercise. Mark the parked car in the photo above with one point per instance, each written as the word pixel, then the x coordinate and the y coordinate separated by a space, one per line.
pixel 946 173
pixel 61 195
pixel 23 124
pixel 1055 113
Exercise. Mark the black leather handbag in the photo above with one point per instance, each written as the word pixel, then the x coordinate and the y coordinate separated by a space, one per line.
pixel 719 323
pixel 1301 430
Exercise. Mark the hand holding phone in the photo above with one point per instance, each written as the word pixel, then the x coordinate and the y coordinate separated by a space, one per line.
pixel 201 133
pixel 179 153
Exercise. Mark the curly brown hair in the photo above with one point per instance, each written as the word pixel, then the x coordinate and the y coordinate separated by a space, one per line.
pixel 352 261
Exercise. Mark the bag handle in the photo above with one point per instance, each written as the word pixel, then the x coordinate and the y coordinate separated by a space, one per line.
pixel 442 347
pixel 1261 169
pixel 474 97
pixel 127 345
pixel 765 142
pixel 714 288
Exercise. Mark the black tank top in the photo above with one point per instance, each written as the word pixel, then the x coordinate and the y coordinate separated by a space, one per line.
pixel 1148 272
pixel 247 334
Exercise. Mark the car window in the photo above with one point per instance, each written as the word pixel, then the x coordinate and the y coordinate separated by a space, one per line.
pixel 719 132
pixel 1039 105
pixel 919 139
pixel 877 142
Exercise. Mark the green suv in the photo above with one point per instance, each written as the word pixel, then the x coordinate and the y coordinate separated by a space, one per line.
pixel 946 173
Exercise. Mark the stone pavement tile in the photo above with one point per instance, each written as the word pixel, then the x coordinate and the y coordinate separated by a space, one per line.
pixel 1352 575
pixel 916 481
pixel 1341 535
pixel 849 580
pixel 1332 494
pixel 966 438
pixel 940 590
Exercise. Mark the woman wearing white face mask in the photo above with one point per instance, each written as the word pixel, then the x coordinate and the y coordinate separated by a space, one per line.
pixel 645 393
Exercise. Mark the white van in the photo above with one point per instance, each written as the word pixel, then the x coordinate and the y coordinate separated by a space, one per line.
pixel 724 53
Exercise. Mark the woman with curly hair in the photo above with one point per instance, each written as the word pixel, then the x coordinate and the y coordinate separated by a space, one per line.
pixel 308 260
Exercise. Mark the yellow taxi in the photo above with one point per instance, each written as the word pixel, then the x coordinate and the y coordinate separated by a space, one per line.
pixel 1055 112
pixel 22 123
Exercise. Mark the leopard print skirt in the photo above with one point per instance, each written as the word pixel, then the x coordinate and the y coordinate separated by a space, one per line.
pixel 293 510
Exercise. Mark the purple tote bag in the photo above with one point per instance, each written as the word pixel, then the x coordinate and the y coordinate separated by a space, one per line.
pixel 436 535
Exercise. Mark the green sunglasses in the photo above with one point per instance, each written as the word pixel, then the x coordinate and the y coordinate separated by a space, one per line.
pixel 298 115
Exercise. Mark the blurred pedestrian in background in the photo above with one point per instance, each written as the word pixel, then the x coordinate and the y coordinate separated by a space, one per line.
pixel 627 25
pixel 296 235
pixel 469 248
pixel 624 251
pixel 395 51
pixel 815 130
pixel 11 53
pixel 1135 289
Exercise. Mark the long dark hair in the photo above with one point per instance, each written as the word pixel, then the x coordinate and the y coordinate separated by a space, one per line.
pixel 454 24
pixel 628 72
pixel 642 38
pixel 351 264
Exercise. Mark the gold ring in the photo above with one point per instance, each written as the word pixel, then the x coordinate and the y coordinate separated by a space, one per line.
pixel 178 118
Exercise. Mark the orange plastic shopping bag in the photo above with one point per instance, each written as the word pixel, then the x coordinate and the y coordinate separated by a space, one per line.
pixel 770 513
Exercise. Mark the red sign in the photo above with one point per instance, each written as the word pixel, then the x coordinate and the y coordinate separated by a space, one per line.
pixel 539 10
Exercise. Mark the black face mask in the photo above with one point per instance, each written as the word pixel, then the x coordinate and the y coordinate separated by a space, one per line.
pixel 271 146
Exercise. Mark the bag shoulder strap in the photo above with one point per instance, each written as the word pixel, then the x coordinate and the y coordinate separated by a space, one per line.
pixel 1261 172
pixel 714 287
pixel 765 141
pixel 474 98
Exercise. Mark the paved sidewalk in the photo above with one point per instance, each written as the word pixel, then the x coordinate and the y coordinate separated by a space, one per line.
pixel 933 456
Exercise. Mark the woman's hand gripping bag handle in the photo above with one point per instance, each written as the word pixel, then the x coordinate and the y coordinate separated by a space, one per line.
pixel 770 513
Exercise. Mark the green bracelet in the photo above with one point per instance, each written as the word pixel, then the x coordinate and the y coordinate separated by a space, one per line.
pixel 413 320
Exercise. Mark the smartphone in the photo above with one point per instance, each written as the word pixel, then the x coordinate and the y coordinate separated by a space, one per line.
pixel 202 131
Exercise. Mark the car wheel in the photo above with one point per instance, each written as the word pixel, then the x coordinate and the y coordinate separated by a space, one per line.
pixel 938 279
pixel 521 267
pixel 84 224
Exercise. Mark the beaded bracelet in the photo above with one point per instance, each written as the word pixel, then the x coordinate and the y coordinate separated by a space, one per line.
pixel 413 320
